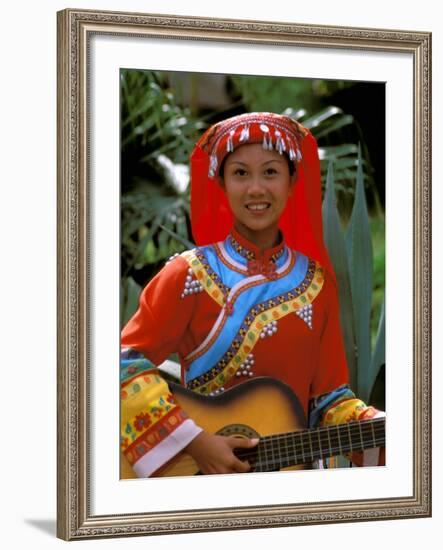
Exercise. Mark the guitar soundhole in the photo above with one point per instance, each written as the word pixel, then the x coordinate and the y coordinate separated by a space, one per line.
pixel 238 430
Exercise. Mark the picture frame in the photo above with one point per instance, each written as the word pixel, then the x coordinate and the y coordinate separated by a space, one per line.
pixel 79 262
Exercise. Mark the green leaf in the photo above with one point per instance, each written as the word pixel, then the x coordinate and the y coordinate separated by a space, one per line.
pixel 378 357
pixel 320 117
pixel 337 124
pixel 129 297
pixel 335 243
pixel 336 151
pixel 359 247
pixel 177 237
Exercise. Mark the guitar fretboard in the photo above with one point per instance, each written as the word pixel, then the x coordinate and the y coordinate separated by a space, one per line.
pixel 282 450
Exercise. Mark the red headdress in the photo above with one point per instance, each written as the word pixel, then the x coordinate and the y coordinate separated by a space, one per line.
pixel 301 221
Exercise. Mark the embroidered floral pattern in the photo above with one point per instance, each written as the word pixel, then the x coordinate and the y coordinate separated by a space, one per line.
pixel 345 411
pixel 153 436
pixel 148 407
pixel 142 421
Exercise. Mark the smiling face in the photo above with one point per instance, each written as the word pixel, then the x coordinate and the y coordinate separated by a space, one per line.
pixel 257 184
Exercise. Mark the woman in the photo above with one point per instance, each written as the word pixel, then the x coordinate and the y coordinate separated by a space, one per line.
pixel 256 298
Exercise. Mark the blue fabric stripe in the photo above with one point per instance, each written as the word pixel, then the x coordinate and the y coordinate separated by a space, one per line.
pixel 227 276
pixel 247 299
pixel 133 362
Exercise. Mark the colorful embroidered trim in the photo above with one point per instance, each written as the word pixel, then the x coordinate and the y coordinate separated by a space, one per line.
pixel 226 258
pixel 207 277
pixel 153 436
pixel 346 410
pixel 321 403
pixel 249 254
pixel 249 333
pixel 130 368
pixel 145 401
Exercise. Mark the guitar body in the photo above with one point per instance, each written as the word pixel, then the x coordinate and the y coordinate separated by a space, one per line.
pixel 255 408
pixel 267 409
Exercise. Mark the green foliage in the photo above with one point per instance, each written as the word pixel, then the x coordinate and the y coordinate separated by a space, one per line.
pixel 270 93
pixel 157 136
pixel 335 243
pixel 129 296
pixel 352 257
pixel 151 119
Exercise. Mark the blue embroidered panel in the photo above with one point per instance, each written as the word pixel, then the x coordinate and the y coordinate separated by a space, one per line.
pixel 244 303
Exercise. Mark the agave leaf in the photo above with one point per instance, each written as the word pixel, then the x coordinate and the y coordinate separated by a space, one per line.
pixel 348 162
pixel 359 247
pixel 378 357
pixel 335 243
pixel 129 297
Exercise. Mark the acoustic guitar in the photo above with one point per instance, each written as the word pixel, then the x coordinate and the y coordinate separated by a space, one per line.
pixel 267 409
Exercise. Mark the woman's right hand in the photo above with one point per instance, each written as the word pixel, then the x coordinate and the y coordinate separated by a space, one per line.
pixel 215 453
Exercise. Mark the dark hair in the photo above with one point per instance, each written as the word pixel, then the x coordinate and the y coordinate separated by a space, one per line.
pixel 290 165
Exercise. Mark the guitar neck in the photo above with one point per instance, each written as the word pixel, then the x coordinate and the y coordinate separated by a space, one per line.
pixel 280 451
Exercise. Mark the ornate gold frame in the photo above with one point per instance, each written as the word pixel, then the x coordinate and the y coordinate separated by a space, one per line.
pixel 75 28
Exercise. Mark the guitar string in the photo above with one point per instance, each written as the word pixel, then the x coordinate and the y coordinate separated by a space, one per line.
pixel 298 450
pixel 322 445
pixel 355 425
pixel 252 454
pixel 334 450
pixel 298 440
pixel 272 443
pixel 262 465
pixel 335 432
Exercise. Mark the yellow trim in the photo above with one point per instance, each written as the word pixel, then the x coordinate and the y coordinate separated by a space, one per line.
pixel 201 275
pixel 346 411
pixel 145 393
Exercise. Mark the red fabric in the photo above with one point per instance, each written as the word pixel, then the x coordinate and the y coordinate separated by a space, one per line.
pixel 301 222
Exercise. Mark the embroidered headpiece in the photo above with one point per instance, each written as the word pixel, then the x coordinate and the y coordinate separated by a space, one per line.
pixel 275 132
